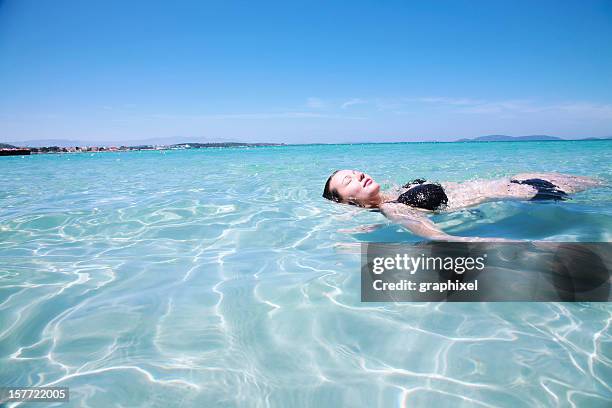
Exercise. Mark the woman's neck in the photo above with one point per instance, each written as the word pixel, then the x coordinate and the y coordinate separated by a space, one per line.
pixel 382 198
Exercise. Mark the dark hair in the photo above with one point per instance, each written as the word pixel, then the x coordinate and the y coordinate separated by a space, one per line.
pixel 331 194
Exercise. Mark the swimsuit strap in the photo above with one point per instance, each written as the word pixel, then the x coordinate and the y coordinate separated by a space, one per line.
pixel 413 182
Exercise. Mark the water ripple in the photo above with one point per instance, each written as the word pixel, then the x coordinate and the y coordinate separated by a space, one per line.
pixel 220 277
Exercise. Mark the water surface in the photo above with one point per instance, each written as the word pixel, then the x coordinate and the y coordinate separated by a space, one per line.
pixel 221 277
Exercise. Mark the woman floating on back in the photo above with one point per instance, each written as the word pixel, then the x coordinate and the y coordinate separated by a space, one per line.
pixel 414 200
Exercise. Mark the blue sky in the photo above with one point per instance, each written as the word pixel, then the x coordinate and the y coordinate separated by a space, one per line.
pixel 303 72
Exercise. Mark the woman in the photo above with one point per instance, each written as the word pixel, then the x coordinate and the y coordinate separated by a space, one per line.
pixel 409 205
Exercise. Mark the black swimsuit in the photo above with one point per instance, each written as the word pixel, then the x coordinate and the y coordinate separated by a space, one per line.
pixel 546 189
pixel 432 197
pixel 427 196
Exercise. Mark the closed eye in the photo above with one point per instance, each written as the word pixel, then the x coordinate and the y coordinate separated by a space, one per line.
pixel 346 180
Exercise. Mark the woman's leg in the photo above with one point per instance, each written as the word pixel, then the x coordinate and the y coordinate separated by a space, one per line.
pixel 471 193
pixel 566 182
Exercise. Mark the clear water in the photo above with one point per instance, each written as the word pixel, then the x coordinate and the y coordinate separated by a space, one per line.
pixel 220 277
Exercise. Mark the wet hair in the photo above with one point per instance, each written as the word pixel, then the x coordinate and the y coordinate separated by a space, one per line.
pixel 331 194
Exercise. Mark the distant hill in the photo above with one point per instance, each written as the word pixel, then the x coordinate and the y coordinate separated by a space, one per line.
pixel 48 142
pixel 505 138
pixel 597 138
pixel 6 146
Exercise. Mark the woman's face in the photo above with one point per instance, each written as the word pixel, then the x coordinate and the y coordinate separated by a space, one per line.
pixel 357 187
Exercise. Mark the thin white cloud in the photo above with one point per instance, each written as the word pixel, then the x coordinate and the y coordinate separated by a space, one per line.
pixel 575 109
pixel 257 115
pixel 520 106
pixel 447 100
pixel 295 115
pixel 316 103
pixel 388 104
pixel 603 111
pixel 353 101
pixel 515 106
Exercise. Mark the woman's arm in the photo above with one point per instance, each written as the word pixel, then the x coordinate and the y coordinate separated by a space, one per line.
pixel 422 226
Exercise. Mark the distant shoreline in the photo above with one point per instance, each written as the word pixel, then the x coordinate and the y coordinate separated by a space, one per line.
pixel 10 150
pixel 453 141
pixel 13 150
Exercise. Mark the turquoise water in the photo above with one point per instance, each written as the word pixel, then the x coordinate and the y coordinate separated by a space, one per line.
pixel 220 277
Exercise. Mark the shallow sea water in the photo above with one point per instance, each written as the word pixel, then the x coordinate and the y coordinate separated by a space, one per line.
pixel 220 277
